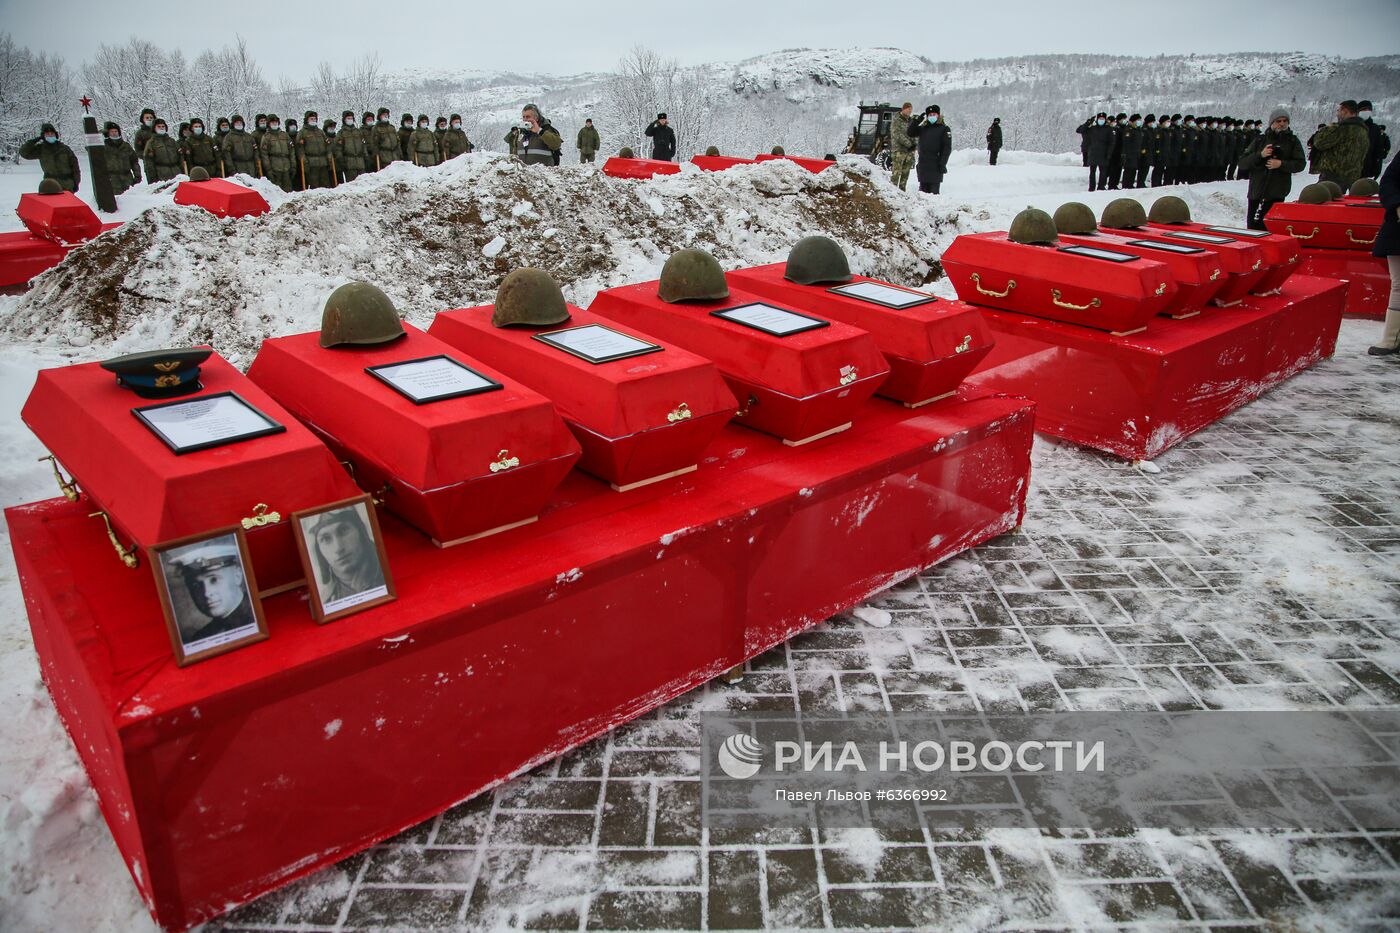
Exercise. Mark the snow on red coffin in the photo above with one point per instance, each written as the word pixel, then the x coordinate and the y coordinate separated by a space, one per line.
pixel 811 165
pixel 153 495
pixel 1241 263
pixel 617 167
pixel 221 197
pixel 720 163
pixel 1280 252
pixel 1195 271
pixel 929 347
pixel 799 387
pixel 455 468
pixel 1045 280
pixel 639 419
pixel 63 218
pixel 1334 225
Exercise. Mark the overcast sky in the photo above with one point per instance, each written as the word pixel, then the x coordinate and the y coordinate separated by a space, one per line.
pixel 553 37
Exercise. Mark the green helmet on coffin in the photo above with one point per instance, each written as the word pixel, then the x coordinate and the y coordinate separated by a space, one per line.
pixel 625 153
pixel 359 313
pixel 1364 188
pixel 49 186
pixel 1169 210
pixel 531 297
pixel 778 150
pixel 1124 214
pixel 817 259
pixel 1075 217
pixel 1032 225
pixel 712 150
pixel 692 275
pixel 199 173
pixel 1334 188
pixel 1316 193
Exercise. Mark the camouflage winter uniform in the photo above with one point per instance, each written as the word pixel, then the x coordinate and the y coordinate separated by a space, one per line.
pixel 901 150
pixel 313 151
pixel 200 151
pixel 55 158
pixel 351 152
pixel 119 160
pixel 1341 150
pixel 240 153
pixel 163 159
pixel 384 139
pixel 423 147
pixel 277 149
pixel 454 143
pixel 588 143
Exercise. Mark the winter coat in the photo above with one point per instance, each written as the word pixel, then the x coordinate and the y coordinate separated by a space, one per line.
pixel 1341 150
pixel 994 137
pixel 57 161
pixel 277 152
pixel 313 146
pixel 1375 153
pixel 120 162
pixel 351 151
pixel 1388 239
pixel 588 141
pixel 423 148
pixel 383 145
pixel 1273 184
pixel 143 136
pixel 1097 140
pixel 405 132
pixel 163 159
pixel 200 151
pixel 240 153
pixel 539 148
pixel 663 141
pixel 935 144
pixel 454 143
pixel 1132 144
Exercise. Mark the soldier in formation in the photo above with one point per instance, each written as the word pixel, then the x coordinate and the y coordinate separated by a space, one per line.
pixel 455 141
pixel 119 160
pixel 313 153
pixel 240 155
pixel 350 149
pixel 1130 151
pixel 423 144
pixel 1098 144
pixel 55 158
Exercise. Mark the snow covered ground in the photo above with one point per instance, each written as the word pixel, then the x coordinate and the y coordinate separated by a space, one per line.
pixel 1284 505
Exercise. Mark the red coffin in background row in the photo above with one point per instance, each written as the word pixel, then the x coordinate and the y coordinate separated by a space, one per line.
pixel 1367 277
pixel 221 198
pixel 811 165
pixel 639 419
pixel 720 163
pixel 153 495
pixel 1242 263
pixel 1046 281
pixel 618 167
pixel 455 469
pixel 1334 225
pixel 1280 253
pixel 798 388
pixel 1195 271
pixel 930 347
pixel 63 218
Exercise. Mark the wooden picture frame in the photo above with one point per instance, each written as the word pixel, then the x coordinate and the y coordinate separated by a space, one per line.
pixel 179 599
pixel 322 579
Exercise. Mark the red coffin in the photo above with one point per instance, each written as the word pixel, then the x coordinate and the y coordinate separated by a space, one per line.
pixel 1195 271
pixel 62 218
pixel 1242 263
pixel 221 198
pixel 638 168
pixel 639 419
pixel 811 165
pixel 1367 277
pixel 720 163
pixel 153 495
pixel 1119 297
pixel 1335 225
pixel 456 469
pixel 1280 252
pixel 799 387
pixel 24 255
pixel 930 348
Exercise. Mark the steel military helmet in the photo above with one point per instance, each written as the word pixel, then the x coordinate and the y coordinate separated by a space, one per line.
pixel 531 297
pixel 1075 217
pixel 1032 225
pixel 1316 193
pixel 1333 187
pixel 817 259
pixel 1364 188
pixel 359 313
pixel 712 150
pixel 692 275
pixel 625 153
pixel 199 173
pixel 1169 210
pixel 50 186
pixel 778 150
pixel 1124 214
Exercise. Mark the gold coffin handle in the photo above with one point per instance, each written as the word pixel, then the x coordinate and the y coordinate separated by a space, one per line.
pixel 1215 275
pixel 1161 290
pixel 504 461
pixel 977 283
pixel 1257 264
pixel 680 413
pixel 261 516
pixel 1356 239
pixel 128 555
pixel 849 374
pixel 67 486
pixel 965 345
pixel 1299 236
pixel 1059 302
pixel 748 407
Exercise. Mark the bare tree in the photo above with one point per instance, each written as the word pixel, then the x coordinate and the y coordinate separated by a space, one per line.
pixel 363 86
pixel 647 84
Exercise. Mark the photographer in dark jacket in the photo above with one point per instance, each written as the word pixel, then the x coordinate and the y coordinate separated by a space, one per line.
pixel 1270 161
pixel 1388 245
pixel 935 144
pixel 663 139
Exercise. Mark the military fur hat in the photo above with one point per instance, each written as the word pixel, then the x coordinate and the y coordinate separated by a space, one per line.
pixel 160 121
pixel 238 118
pixel 422 118
pixel 455 116
pixel 273 116
pixel 309 114
pixel 406 118
pixel 347 113
pixel 440 121
pixel 195 121
pixel 383 111
pixel 148 110
pixel 109 126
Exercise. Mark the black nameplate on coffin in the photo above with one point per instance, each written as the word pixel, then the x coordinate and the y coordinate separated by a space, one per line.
pixel 206 421
pixel 1093 252
pixel 779 322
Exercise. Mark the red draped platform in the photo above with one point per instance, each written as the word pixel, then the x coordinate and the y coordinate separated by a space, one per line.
pixel 1139 395
pixel 1367 277
pixel 224 780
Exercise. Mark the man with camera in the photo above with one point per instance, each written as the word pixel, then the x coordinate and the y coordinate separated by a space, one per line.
pixel 1270 161
pixel 537 142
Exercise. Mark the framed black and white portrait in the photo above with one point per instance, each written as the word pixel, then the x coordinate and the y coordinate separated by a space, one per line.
pixel 208 594
pixel 342 552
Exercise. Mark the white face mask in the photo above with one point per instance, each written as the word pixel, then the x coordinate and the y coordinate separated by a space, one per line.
pixel 148 121
pixel 311 123
pixel 933 118
pixel 197 130
pixel 457 125
pixel 1133 122
pixel 161 132
pixel 238 127
pixel 349 122
pixel 422 126
pixel 1100 122
pixel 274 127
